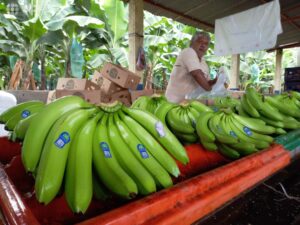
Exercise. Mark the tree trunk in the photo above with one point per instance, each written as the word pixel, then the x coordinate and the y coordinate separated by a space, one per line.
pixel 43 75
pixel 68 68
pixel 26 77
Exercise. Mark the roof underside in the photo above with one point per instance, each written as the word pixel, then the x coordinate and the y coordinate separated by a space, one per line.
pixel 203 13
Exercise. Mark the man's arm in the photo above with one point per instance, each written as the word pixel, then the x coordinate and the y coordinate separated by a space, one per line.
pixel 201 80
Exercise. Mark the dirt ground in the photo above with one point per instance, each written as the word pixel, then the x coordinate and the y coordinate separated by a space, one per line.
pixel 276 201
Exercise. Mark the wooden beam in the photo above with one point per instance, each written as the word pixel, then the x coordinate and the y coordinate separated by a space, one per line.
pixel 277 81
pixel 136 32
pixel 235 71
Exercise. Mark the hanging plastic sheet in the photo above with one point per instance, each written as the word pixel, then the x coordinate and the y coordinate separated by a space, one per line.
pixel 251 30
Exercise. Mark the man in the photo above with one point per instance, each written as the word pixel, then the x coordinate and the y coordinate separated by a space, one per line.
pixel 190 70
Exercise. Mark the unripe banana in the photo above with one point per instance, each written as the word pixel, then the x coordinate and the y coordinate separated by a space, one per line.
pixel 228 151
pixel 38 130
pixel 99 191
pixel 210 146
pixel 129 161
pixel 141 102
pixel 22 126
pixel 241 111
pixel 202 128
pixel 177 122
pixel 162 110
pixel 280 131
pixel 215 126
pixel 248 107
pixel 7 114
pixel 254 98
pixel 107 167
pixel 143 154
pixel 53 161
pixel 162 134
pixel 186 138
pixel 78 178
pixel 270 112
pixel 12 122
pixel 157 151
pixel 283 107
pixel 200 107
pixel 244 134
pixel 254 124
pixel 272 122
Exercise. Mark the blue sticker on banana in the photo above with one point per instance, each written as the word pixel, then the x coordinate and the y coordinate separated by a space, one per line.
pixel 247 130
pixel 142 151
pixel 105 148
pixel 25 113
pixel 63 139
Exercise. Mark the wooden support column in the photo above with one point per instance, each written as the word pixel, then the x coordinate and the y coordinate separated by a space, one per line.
pixel 136 32
pixel 235 71
pixel 277 82
pixel 298 56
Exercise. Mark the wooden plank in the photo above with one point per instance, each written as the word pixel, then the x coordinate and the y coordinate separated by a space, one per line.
pixel 277 82
pixel 235 71
pixel 136 32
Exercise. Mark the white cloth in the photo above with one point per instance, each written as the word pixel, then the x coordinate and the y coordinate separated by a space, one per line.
pixel 7 101
pixel 251 30
pixel 181 81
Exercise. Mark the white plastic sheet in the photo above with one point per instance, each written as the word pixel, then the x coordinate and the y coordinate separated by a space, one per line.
pixel 7 100
pixel 251 30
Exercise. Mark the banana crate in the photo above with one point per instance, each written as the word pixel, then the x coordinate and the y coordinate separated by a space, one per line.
pixel 205 184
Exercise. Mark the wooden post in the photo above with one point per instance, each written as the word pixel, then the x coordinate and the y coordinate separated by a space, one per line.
pixel 277 82
pixel 235 71
pixel 298 56
pixel 136 32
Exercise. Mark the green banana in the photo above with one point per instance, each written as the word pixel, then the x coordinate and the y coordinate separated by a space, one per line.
pixel 284 108
pixel 78 178
pixel 210 146
pixel 244 148
pixel 143 154
pixel 193 114
pixel 163 135
pixel 107 167
pixel 215 126
pixel 12 122
pixel 200 107
pixel 280 131
pixel 228 151
pixel 241 111
pixel 202 128
pixel 53 160
pixel 248 107
pixel 254 98
pixel 162 110
pixel 141 102
pixel 7 114
pixel 177 122
pixel 244 133
pixel 155 149
pixel 129 162
pixel 271 122
pixel 270 112
pixel 22 126
pixel 183 112
pixel 255 124
pixel 186 138
pixel 38 131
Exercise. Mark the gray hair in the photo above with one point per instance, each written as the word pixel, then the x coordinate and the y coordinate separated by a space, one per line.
pixel 199 34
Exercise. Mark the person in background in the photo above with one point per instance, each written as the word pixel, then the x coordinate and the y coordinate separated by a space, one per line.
pixel 190 70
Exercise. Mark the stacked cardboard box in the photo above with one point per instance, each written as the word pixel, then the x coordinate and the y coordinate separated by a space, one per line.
pixel 84 88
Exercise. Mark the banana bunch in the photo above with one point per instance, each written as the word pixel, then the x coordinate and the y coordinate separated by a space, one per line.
pixel 281 112
pixel 181 118
pixel 231 134
pixel 83 149
pixel 149 103
pixel 226 102
pixel 15 118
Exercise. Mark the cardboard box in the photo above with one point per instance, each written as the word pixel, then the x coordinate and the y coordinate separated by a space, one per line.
pixel 122 96
pixel 108 87
pixel 120 76
pixel 97 78
pixel 137 94
pixel 76 84
pixel 51 96
pixel 28 95
pixel 236 94
pixel 91 96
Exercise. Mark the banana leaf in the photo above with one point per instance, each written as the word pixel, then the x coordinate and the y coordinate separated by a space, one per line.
pixel 77 60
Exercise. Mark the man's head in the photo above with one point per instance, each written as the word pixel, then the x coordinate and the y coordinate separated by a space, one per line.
pixel 200 42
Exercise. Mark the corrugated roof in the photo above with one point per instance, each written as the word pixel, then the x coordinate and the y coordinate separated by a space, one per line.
pixel 203 13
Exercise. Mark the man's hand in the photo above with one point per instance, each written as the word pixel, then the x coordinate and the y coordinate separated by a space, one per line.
pixel 212 82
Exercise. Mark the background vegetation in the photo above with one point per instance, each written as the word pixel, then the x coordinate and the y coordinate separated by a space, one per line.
pixel 64 38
